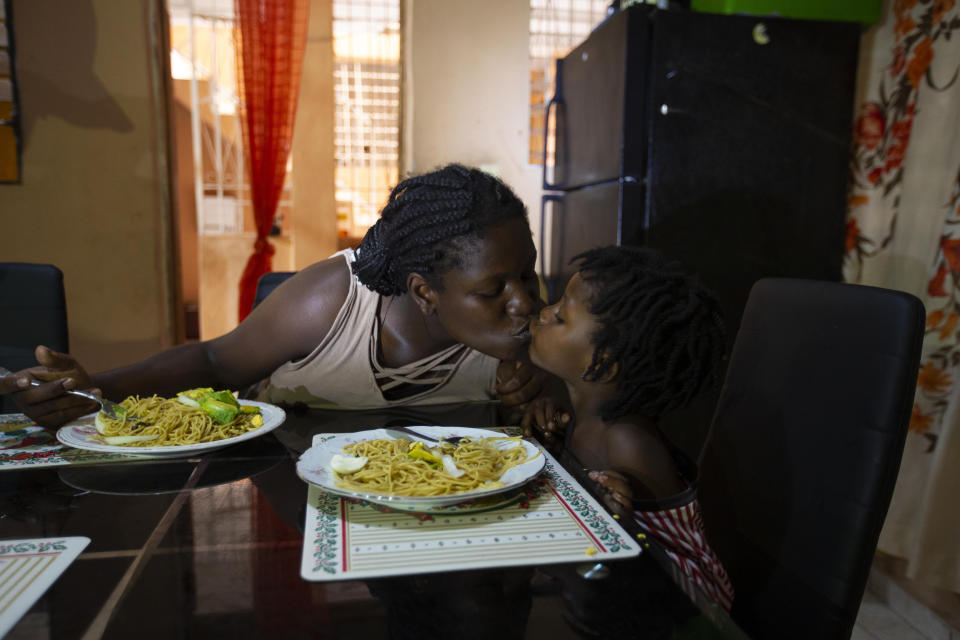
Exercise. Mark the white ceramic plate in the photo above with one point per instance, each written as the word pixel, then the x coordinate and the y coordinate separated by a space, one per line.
pixel 82 434
pixel 314 468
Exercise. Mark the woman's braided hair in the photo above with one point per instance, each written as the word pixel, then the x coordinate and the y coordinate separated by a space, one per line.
pixel 660 325
pixel 428 223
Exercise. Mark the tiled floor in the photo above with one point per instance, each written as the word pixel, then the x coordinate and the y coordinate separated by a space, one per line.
pixel 895 609
pixel 877 621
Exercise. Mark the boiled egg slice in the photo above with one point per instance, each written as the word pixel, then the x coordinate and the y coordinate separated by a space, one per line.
pixel 451 467
pixel 347 464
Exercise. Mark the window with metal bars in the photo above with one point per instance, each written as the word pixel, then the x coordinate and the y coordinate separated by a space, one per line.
pixel 203 66
pixel 366 46
pixel 9 102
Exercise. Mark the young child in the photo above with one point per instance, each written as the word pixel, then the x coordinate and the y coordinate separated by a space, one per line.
pixel 633 337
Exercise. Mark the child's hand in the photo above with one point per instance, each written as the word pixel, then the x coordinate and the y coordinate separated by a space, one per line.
pixel 617 494
pixel 545 415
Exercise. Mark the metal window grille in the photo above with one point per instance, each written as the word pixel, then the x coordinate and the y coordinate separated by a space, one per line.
pixel 367 106
pixel 10 134
pixel 202 51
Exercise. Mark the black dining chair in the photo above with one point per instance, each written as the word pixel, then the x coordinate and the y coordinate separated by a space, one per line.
pixel 268 282
pixel 804 450
pixel 33 310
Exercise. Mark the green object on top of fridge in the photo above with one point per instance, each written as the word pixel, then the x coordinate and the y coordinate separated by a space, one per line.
pixel 863 11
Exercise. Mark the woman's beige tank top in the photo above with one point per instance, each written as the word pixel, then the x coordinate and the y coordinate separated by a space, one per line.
pixel 343 370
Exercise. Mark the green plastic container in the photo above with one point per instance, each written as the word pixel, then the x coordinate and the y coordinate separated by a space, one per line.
pixel 863 11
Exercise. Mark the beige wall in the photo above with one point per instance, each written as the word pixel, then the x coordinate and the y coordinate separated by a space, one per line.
pixel 314 219
pixel 186 210
pixel 94 198
pixel 467 90
pixel 222 259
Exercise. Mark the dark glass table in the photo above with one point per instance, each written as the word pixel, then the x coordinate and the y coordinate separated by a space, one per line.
pixel 210 547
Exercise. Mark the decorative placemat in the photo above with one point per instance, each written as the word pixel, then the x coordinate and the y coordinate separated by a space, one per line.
pixel 555 520
pixel 28 568
pixel 24 443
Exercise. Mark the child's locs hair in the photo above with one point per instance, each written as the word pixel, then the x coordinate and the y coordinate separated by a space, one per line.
pixel 428 223
pixel 660 326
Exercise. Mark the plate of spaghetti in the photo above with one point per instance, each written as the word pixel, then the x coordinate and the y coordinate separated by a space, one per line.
pixel 409 474
pixel 158 426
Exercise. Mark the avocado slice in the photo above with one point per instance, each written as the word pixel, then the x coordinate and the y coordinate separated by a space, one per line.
pixel 193 397
pixel 221 412
pixel 225 396
pixel 418 452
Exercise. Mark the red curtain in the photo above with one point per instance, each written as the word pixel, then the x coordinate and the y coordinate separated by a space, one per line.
pixel 270 40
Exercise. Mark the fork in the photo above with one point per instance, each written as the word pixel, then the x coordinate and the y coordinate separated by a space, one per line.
pixel 408 431
pixel 108 407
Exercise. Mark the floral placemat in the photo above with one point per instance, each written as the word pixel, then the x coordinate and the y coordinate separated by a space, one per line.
pixel 554 520
pixel 24 443
pixel 28 568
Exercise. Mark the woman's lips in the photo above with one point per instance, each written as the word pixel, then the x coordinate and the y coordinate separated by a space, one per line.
pixel 523 335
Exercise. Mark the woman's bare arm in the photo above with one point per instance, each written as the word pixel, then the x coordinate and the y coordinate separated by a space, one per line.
pixel 287 325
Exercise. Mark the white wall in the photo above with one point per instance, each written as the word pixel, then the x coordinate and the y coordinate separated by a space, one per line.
pixel 467 90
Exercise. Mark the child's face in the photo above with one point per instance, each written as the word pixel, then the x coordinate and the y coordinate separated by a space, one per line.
pixel 561 338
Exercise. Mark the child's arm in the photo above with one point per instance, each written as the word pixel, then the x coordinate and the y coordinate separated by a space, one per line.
pixel 642 462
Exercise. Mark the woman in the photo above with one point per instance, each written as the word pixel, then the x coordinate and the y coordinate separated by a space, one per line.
pixel 448 290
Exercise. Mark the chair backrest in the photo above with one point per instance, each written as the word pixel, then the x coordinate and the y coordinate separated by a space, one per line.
pixel 33 310
pixel 268 282
pixel 804 450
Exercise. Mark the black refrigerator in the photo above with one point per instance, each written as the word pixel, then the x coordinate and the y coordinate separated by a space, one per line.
pixel 721 140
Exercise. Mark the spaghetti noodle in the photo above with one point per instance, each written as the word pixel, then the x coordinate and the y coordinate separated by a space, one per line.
pixel 391 470
pixel 171 423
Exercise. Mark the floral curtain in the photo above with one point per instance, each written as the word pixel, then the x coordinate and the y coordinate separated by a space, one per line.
pixel 270 41
pixel 903 232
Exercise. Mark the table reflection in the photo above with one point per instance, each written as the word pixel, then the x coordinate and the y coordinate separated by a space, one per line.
pixel 211 547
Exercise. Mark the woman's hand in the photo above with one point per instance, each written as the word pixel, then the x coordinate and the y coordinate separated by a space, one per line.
pixel 48 403
pixel 617 493
pixel 518 382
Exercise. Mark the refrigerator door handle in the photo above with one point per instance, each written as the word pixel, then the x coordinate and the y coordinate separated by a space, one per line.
pixel 555 102
pixel 554 237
